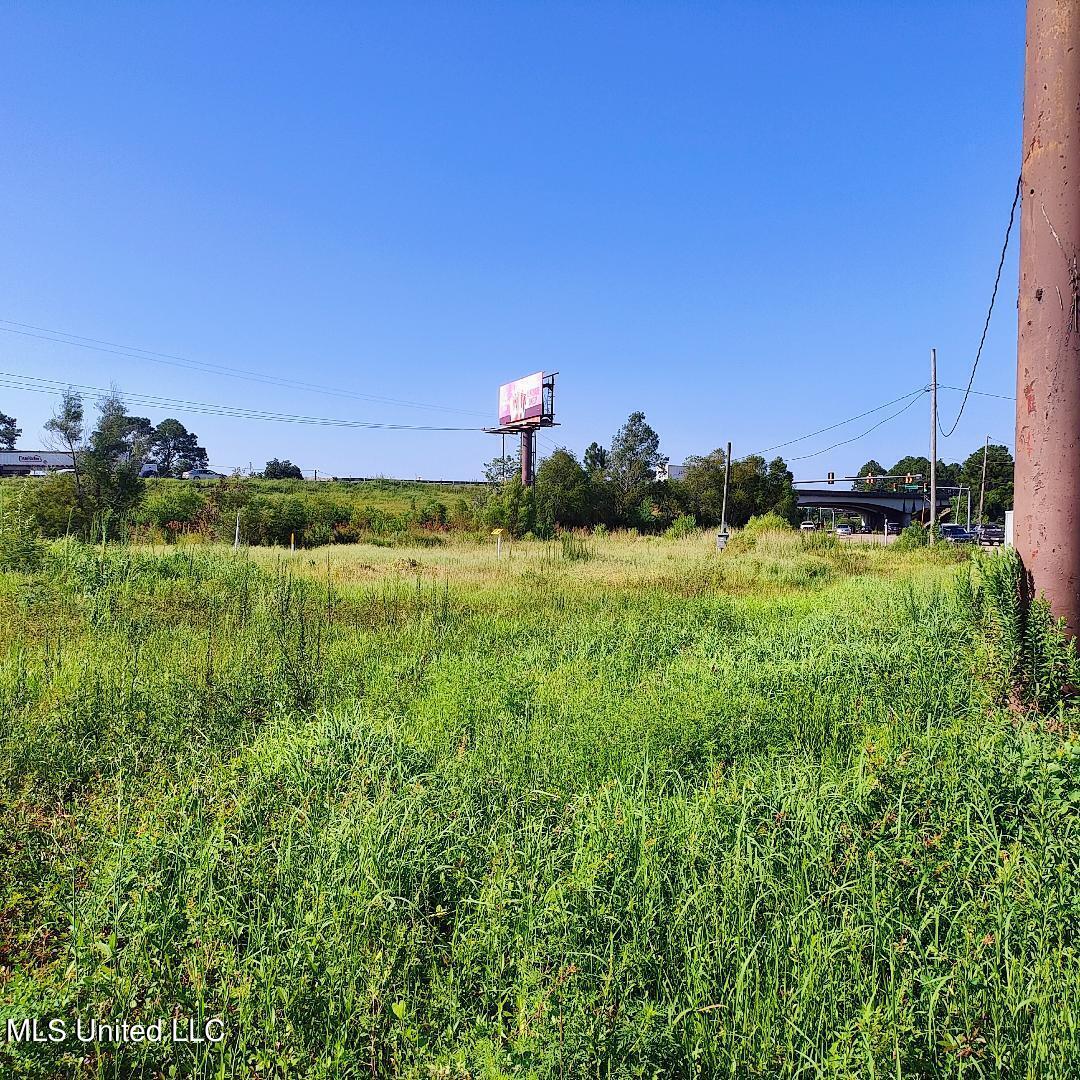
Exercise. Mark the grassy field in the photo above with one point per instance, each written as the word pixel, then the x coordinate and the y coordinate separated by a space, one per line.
pixel 619 807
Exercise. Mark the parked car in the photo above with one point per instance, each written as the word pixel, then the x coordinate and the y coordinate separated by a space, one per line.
pixel 990 534
pixel 844 530
pixel 955 534
pixel 892 528
pixel 203 474
pixel 809 526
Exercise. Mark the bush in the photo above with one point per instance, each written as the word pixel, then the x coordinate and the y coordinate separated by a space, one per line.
pixel 56 509
pixel 770 522
pixel 912 538
pixel 169 504
pixel 684 525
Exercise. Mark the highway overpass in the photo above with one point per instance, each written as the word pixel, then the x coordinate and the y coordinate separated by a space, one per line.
pixel 877 507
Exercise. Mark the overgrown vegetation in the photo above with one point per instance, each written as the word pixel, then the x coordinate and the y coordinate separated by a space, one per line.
pixel 799 809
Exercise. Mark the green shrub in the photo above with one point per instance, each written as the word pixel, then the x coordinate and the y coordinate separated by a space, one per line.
pixel 912 538
pixel 684 525
pixel 168 505
pixel 769 522
pixel 55 506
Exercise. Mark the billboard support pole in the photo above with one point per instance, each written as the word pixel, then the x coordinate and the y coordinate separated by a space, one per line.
pixel 528 442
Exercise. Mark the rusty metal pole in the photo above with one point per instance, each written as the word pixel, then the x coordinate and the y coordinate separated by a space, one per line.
pixel 528 435
pixel 1047 503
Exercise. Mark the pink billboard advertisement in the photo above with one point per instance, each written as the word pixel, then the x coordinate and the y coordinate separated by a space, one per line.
pixel 521 399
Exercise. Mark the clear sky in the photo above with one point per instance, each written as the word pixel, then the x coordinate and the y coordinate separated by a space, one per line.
pixel 747 220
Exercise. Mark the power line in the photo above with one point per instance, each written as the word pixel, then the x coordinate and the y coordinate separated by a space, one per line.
pixel 989 311
pixel 133 352
pixel 856 438
pixel 841 423
pixel 977 393
pixel 56 388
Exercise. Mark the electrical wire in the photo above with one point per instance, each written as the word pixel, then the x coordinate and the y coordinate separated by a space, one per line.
pixel 977 393
pixel 856 438
pixel 841 423
pixel 989 311
pixel 57 388
pixel 133 352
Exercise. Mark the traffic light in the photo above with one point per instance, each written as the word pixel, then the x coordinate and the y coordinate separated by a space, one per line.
pixel 909 479
pixel 869 479
pixel 832 478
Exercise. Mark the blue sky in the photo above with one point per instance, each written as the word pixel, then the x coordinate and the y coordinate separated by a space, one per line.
pixel 747 220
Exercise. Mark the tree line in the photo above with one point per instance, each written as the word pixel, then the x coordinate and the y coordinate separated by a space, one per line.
pixel 621 485
pixel 618 487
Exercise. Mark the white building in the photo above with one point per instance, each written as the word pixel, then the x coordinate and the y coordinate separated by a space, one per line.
pixel 33 462
pixel 671 472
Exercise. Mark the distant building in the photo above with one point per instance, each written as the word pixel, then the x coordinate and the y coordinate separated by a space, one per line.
pixel 671 472
pixel 33 462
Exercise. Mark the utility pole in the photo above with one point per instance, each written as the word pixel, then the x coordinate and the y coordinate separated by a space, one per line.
pixel 982 483
pixel 1047 507
pixel 933 441
pixel 727 478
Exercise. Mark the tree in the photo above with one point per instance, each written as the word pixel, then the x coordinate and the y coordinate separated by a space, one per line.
pixel 562 490
pixel 756 487
pixel 596 458
pixel 871 468
pixel 512 507
pixel 9 433
pixel 66 430
pixel 634 459
pixel 176 450
pixel 282 470
pixel 499 470
pixel 911 466
pixel 112 461
pixel 140 437
pixel 948 474
pixel 780 491
pixel 703 482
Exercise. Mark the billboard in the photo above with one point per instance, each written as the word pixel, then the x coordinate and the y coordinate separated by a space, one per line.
pixel 522 399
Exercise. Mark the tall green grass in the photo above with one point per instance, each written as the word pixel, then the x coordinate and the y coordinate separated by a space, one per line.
pixel 797 810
